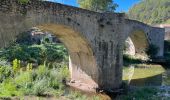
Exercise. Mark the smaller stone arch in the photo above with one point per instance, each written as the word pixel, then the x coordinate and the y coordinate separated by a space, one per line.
pixel 144 35
pixel 140 41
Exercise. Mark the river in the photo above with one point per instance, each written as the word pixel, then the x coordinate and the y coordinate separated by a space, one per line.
pixel 146 75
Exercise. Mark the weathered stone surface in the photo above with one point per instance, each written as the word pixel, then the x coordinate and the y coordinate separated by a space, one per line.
pixel 129 47
pixel 94 40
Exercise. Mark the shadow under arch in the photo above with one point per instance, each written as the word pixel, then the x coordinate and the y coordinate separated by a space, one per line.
pixel 82 62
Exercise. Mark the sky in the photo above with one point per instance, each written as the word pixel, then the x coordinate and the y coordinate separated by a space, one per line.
pixel 124 5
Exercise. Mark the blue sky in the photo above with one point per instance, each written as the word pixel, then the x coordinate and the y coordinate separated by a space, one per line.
pixel 124 5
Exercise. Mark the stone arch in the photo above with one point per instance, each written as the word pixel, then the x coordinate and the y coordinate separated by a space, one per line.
pixel 67 26
pixel 82 62
pixel 138 42
pixel 140 34
pixel 91 37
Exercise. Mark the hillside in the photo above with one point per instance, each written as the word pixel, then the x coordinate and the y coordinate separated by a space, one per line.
pixel 151 11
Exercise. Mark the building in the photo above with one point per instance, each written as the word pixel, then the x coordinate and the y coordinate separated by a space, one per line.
pixel 37 36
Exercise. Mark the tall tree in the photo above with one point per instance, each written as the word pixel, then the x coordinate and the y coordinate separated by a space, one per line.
pixel 98 5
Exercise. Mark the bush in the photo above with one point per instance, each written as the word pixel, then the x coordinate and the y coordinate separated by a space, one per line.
pixel 8 88
pixel 5 73
pixel 35 53
pixel 4 63
pixel 40 87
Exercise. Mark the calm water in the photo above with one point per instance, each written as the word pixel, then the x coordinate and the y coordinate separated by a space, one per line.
pixel 149 75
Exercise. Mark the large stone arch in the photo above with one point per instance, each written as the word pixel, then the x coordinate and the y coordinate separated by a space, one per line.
pixel 91 38
pixel 82 63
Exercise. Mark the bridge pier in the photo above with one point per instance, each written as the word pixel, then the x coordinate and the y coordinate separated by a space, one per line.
pixel 92 72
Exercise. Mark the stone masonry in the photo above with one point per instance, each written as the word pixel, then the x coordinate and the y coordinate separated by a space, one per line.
pixel 94 40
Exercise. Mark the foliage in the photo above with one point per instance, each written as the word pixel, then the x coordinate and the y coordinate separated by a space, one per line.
pixel 8 88
pixel 98 5
pixel 5 73
pixel 40 87
pixel 151 11
pixel 4 63
pixel 24 38
pixel 35 53
pixel 40 81
pixel 16 65
pixel 29 67
pixel 152 50
pixel 23 1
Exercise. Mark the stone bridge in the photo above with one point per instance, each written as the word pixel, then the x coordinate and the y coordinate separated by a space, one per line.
pixel 94 40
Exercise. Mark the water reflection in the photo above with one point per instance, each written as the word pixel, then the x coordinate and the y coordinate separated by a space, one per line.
pixel 149 81
pixel 146 76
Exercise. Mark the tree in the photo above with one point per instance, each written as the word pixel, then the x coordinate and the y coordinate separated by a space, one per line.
pixel 23 1
pixel 151 11
pixel 98 5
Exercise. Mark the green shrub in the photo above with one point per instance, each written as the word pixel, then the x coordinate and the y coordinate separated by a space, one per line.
pixel 5 73
pixel 40 87
pixel 23 79
pixel 16 65
pixel 40 81
pixel 8 89
pixel 42 71
pixel 35 53
pixel 23 1
pixel 4 63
